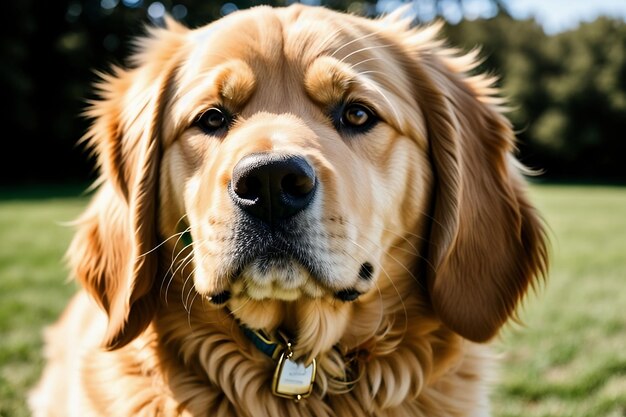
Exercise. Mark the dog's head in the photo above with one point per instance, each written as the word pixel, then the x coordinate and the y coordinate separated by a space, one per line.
pixel 319 162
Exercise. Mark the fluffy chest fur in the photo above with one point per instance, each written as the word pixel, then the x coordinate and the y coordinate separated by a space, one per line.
pixel 174 370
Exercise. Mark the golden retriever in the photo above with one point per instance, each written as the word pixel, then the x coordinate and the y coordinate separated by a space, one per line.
pixel 300 213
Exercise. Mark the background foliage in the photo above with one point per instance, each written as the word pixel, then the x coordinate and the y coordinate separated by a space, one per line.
pixel 568 91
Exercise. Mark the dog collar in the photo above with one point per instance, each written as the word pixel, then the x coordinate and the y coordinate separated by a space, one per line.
pixel 262 342
pixel 291 379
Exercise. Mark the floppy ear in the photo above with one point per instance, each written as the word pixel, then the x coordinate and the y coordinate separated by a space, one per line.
pixel 111 253
pixel 487 243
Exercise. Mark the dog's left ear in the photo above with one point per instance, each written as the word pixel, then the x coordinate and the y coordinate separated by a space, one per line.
pixel 112 253
pixel 487 243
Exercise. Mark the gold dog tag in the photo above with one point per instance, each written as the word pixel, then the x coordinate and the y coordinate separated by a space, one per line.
pixel 291 379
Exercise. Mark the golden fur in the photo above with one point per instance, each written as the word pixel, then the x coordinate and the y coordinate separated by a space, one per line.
pixel 430 196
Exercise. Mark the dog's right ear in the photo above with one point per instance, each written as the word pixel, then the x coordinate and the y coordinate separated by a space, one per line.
pixel 112 252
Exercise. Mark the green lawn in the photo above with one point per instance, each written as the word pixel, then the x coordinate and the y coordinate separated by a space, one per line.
pixel 33 284
pixel 569 359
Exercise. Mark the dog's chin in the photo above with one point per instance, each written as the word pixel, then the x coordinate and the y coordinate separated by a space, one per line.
pixel 272 293
pixel 267 292
pixel 285 280
pixel 299 308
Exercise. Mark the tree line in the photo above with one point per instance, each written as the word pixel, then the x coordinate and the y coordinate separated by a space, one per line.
pixel 567 91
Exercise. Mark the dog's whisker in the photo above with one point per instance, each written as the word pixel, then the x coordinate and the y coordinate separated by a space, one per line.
pixel 378 246
pixel 174 272
pixel 170 274
pixel 169 282
pixel 189 310
pixel 325 44
pixel 191 275
pixel 366 60
pixel 180 237
pixel 162 243
pixel 391 281
pixel 188 278
pixel 179 263
pixel 359 39
pixel 186 300
pixel 411 274
pixel 169 270
pixel 366 48
pixel 406 239
pixel 173 261
pixel 380 294
pixel 377 223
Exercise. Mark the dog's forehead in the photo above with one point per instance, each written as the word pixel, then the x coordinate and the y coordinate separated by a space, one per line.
pixel 266 36
pixel 240 35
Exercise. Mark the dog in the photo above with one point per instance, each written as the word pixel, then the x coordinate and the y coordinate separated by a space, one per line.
pixel 300 213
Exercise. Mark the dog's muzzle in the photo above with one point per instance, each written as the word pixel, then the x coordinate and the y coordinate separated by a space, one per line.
pixel 276 228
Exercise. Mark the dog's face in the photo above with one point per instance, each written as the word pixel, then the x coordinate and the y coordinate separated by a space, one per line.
pixel 293 166
pixel 321 163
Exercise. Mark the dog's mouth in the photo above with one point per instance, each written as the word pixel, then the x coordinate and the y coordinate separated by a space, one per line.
pixel 284 264
pixel 279 276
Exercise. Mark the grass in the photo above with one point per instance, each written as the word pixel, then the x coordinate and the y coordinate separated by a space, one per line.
pixel 33 288
pixel 569 358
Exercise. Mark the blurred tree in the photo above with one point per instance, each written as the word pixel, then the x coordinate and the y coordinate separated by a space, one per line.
pixel 568 91
pixel 34 79
pixel 586 118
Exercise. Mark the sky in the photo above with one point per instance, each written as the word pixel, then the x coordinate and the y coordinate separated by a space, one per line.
pixel 554 15
pixel 559 15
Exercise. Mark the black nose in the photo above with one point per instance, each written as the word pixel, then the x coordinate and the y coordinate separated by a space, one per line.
pixel 272 187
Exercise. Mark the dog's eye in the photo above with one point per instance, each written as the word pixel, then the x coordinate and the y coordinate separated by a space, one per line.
pixel 214 121
pixel 356 118
pixel 355 115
